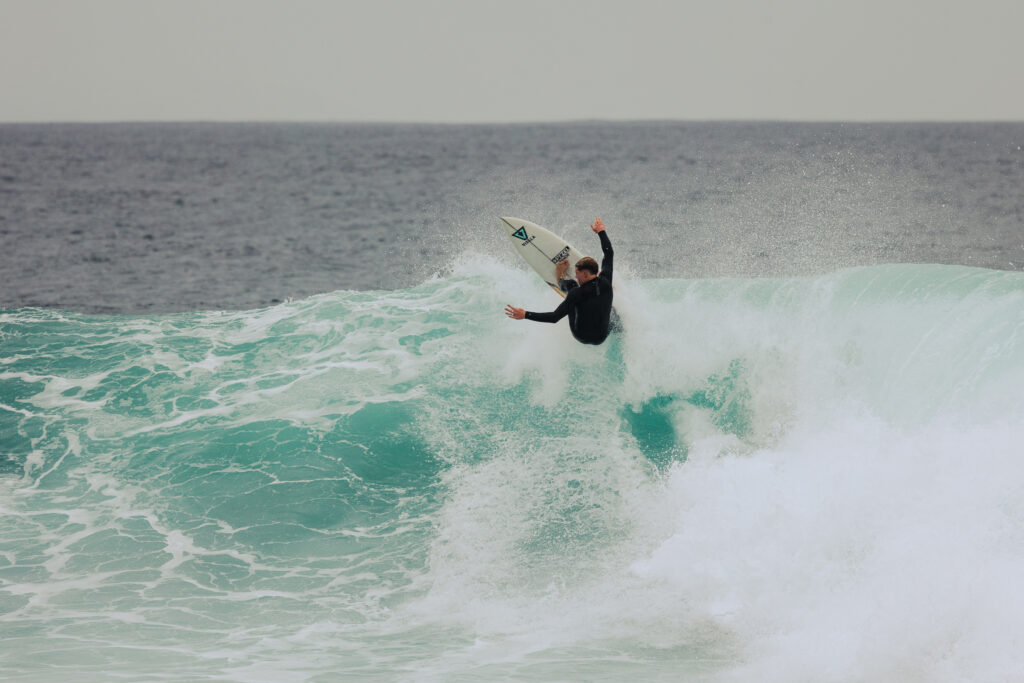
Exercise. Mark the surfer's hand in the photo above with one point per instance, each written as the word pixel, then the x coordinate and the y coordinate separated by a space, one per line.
pixel 561 267
pixel 516 313
pixel 598 225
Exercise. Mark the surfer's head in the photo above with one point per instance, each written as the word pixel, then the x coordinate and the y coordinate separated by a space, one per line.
pixel 586 270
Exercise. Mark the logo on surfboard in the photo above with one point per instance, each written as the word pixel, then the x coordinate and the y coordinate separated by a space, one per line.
pixel 520 234
pixel 564 254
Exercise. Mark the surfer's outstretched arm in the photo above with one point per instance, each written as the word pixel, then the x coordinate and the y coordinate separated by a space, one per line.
pixel 552 317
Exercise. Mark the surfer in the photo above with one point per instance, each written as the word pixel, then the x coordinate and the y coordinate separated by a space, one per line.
pixel 588 298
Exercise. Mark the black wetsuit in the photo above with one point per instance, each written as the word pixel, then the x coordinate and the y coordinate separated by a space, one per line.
pixel 589 306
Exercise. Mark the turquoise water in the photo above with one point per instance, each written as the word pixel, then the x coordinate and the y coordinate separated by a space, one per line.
pixel 772 479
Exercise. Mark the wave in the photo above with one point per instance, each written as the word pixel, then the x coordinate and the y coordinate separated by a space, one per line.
pixel 790 478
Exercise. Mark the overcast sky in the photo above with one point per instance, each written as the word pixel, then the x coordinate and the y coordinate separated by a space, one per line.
pixel 510 60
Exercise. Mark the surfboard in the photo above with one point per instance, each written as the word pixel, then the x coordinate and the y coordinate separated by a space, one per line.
pixel 540 248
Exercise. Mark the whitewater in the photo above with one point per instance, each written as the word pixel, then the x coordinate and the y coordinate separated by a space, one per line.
pixel 790 479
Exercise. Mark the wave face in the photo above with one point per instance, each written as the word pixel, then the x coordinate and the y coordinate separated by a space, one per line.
pixel 794 479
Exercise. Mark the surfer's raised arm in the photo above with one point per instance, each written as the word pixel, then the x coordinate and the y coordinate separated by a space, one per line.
pixel 606 248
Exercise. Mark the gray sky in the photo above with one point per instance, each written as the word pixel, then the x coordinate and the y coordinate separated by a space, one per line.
pixel 510 60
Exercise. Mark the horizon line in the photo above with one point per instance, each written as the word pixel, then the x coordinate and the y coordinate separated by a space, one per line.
pixel 401 122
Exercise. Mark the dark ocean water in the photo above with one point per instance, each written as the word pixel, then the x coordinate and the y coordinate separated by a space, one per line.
pixel 175 217
pixel 262 417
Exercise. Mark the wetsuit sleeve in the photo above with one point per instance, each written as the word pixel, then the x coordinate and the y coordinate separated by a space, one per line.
pixel 567 284
pixel 606 247
pixel 555 315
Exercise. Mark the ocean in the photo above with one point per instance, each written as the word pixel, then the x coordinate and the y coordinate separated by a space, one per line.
pixel 262 417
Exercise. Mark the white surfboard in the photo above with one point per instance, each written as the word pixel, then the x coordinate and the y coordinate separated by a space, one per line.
pixel 541 248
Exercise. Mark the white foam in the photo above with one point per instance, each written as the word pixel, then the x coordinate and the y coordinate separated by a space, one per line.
pixel 868 525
